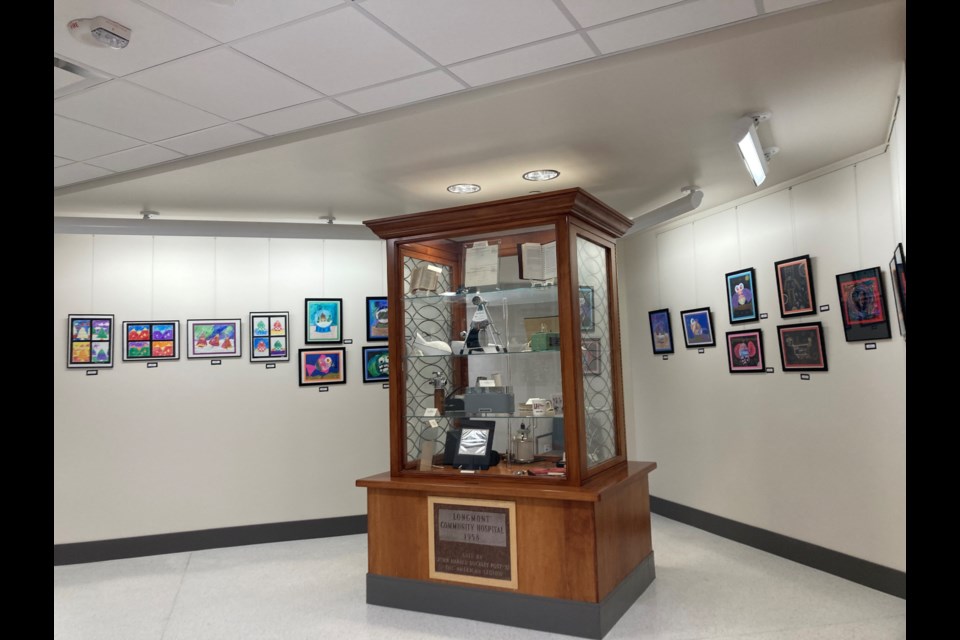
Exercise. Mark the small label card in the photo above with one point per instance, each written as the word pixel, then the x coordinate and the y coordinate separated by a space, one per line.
pixel 271 365
pixel 700 350
pixel 322 389
pixel 769 369
pixel 804 376
pixel 430 411
pixel 214 362
pixel 665 358
pixel 348 341
pixel 870 346
pixel 488 383
pixel 386 385
pixel 824 307
pixel 763 316
pixel 152 365
pixel 92 372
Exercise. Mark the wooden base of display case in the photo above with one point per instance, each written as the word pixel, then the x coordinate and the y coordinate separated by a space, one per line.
pixel 578 556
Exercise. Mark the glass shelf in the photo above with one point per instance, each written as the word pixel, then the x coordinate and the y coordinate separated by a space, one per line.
pixel 464 414
pixel 477 355
pixel 513 295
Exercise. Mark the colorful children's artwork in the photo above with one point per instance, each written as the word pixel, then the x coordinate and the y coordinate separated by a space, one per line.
pixel 268 336
pixel 697 328
pixel 802 347
pixel 795 286
pixel 214 338
pixel 742 295
pixel 376 319
pixel 745 351
pixel 151 340
pixel 323 366
pixel 660 331
pixel 324 319
pixel 376 364
pixel 862 305
pixel 90 342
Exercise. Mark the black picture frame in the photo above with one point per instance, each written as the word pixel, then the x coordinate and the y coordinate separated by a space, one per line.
pixel 214 338
pixel 150 340
pixel 320 329
pixel 661 331
pixel 898 276
pixel 269 336
pixel 377 326
pixel 863 305
pixel 745 351
pixel 698 328
pixel 795 289
pixel 90 340
pixel 311 370
pixel 742 295
pixel 587 322
pixel 374 361
pixel 802 347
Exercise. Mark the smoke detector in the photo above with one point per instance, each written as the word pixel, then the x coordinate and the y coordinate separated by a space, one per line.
pixel 100 32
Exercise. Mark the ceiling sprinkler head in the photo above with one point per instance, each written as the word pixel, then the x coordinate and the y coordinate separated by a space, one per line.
pixel 329 218
pixel 146 214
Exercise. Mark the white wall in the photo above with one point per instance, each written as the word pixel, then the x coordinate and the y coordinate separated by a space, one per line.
pixel 187 445
pixel 820 460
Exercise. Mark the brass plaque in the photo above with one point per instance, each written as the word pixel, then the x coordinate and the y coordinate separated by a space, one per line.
pixel 473 541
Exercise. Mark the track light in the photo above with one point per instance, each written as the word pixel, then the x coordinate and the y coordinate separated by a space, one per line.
pixel 678 207
pixel 754 156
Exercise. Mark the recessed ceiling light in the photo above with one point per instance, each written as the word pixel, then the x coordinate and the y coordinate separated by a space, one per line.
pixel 541 174
pixel 463 188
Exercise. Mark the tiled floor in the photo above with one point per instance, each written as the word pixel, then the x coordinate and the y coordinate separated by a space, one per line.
pixel 707 588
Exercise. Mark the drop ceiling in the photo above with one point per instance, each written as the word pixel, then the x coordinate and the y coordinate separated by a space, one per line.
pixel 285 111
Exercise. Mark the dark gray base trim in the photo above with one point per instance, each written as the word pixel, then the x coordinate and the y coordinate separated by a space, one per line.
pixel 863 572
pixel 569 617
pixel 116 549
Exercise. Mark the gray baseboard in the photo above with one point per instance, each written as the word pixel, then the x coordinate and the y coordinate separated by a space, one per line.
pixel 569 617
pixel 857 570
pixel 98 550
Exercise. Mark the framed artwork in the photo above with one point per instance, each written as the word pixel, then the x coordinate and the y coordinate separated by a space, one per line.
pixel 697 328
pixel 591 357
pixel 802 347
pixel 376 319
pixel 376 364
pixel 586 309
pixel 214 338
pixel 745 351
pixel 324 319
pixel 898 275
pixel 742 295
pixel 323 366
pixel 269 336
pixel 862 305
pixel 151 340
pixel 795 287
pixel 90 341
pixel 660 332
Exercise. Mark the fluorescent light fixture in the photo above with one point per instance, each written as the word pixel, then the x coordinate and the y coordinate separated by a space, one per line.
pixel 463 188
pixel 541 174
pixel 678 207
pixel 748 143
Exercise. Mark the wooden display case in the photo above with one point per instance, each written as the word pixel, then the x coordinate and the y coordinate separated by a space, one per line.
pixel 504 327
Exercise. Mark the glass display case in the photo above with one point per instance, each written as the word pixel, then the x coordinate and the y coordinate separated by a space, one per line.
pixel 506 324
pixel 509 482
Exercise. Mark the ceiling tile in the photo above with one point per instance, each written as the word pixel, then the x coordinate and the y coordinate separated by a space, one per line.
pixel 590 12
pixel 59 162
pixel 454 30
pixel 298 117
pixel 155 38
pixel 225 135
pixel 78 141
pixel 132 110
pixel 355 52
pixel 670 23
pixel 76 172
pixel 63 78
pixel 400 92
pixel 229 21
pixel 779 5
pixel 134 158
pixel 518 62
pixel 226 83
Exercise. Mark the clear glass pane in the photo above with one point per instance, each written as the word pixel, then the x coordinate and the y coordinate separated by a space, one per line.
pixel 598 413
